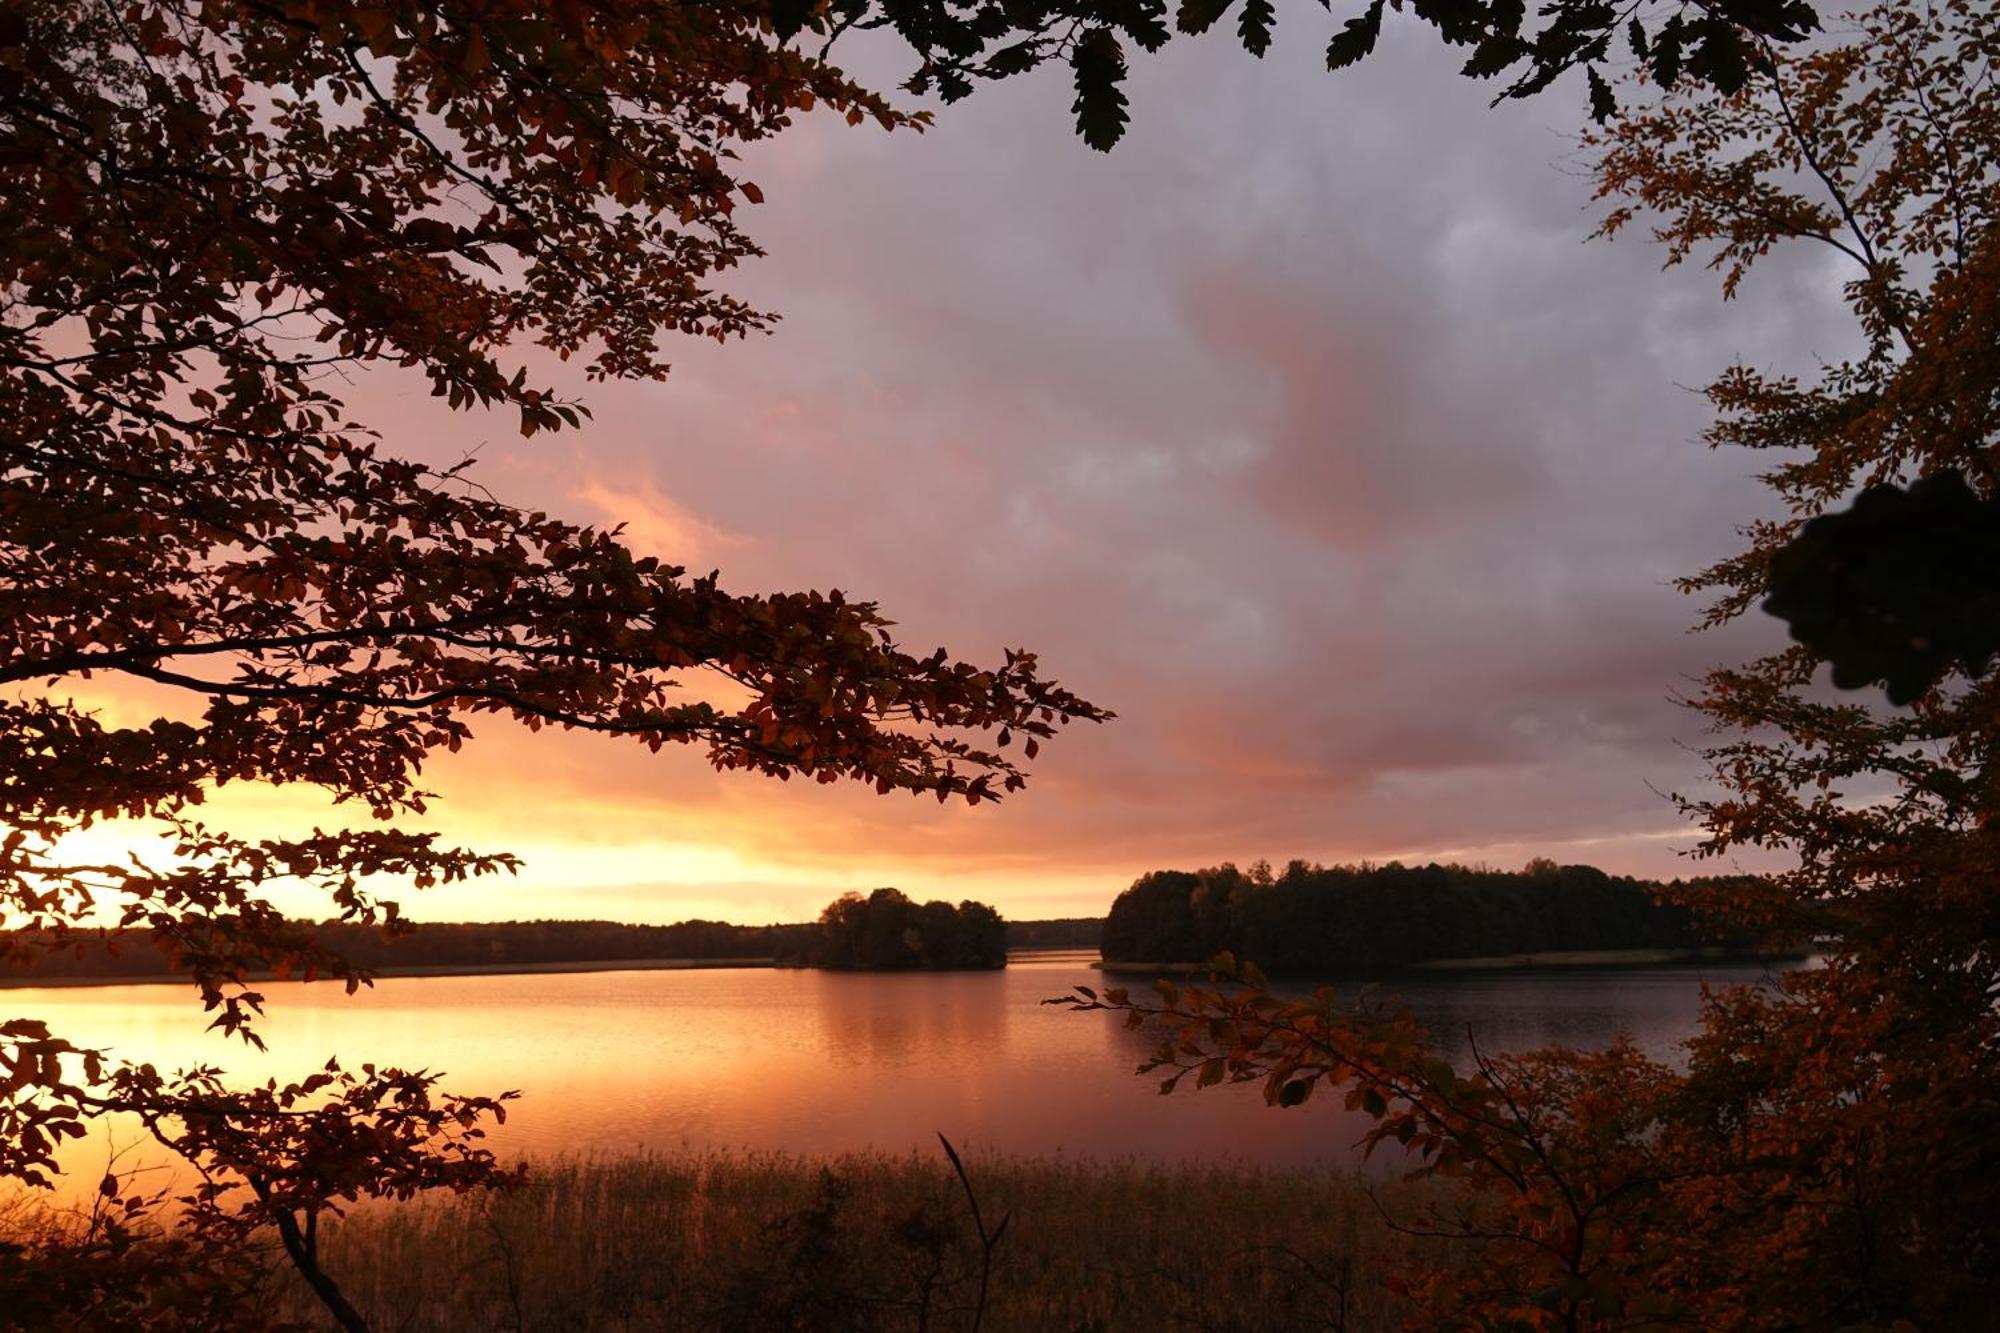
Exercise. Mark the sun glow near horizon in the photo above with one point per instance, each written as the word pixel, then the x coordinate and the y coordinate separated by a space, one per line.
pixel 746 854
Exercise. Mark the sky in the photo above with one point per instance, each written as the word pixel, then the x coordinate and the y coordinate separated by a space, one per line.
pixel 1304 430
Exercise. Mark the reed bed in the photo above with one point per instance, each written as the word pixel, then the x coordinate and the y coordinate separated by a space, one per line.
pixel 749 1242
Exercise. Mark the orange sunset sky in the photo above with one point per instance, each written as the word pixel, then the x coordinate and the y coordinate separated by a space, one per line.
pixel 1305 431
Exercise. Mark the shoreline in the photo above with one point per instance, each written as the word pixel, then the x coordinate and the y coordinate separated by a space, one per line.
pixel 29 981
pixel 1519 962
pixel 1606 958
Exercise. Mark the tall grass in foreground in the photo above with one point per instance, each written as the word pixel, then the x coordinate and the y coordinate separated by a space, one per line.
pixel 759 1241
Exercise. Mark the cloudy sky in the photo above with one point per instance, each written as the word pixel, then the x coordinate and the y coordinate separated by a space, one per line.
pixel 1305 430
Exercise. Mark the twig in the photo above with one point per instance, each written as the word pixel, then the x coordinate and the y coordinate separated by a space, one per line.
pixel 987 1240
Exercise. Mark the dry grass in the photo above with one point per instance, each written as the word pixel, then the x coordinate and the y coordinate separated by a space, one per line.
pixel 771 1242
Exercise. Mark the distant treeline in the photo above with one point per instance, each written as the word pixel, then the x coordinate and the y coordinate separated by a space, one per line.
pixel 498 945
pixel 472 944
pixel 888 931
pixel 1312 918
pixel 1070 932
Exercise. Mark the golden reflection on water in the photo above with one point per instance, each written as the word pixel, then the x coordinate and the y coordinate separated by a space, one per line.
pixel 818 1062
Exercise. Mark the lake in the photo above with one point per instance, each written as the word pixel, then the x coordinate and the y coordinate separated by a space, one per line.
pixel 822 1062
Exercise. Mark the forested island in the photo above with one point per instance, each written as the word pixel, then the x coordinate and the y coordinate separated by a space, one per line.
pixel 1329 919
pixel 889 932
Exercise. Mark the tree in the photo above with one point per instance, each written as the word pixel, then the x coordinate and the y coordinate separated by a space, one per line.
pixel 212 209
pixel 1827 1156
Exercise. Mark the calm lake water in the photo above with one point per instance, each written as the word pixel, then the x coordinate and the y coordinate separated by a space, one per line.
pixel 818 1062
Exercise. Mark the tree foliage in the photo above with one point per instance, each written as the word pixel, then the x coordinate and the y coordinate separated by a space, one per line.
pixel 1885 151
pixel 1826 1157
pixel 1898 589
pixel 212 215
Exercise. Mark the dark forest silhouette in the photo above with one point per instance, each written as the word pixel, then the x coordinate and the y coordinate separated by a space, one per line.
pixel 1321 919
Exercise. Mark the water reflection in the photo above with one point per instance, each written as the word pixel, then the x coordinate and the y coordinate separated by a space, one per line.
pixel 821 1062
pixel 890 1020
